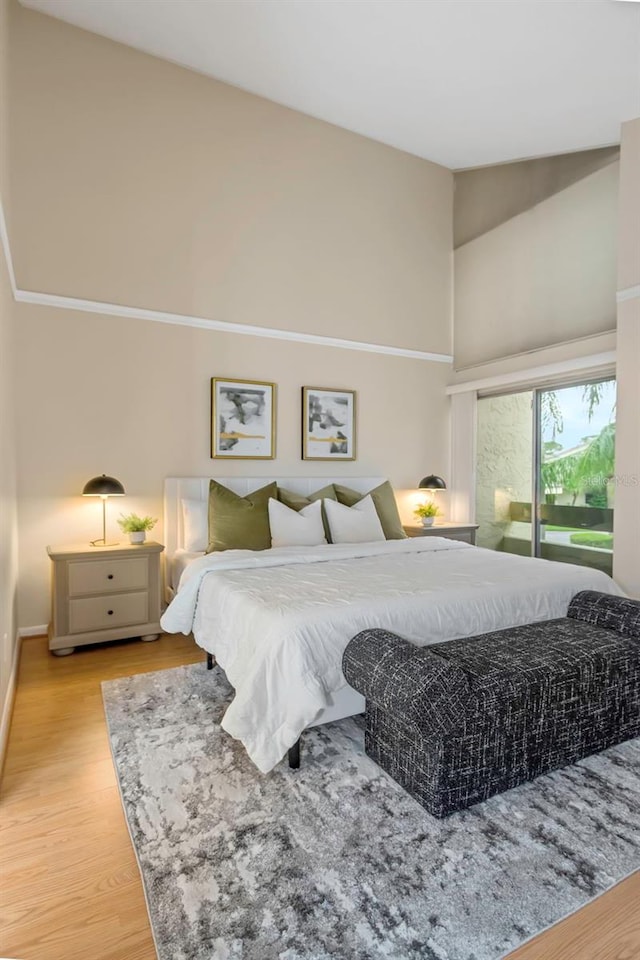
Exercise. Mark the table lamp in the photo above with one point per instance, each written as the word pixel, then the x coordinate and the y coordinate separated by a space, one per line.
pixel 103 487
pixel 432 483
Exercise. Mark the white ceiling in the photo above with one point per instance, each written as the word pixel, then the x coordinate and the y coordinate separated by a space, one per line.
pixel 460 82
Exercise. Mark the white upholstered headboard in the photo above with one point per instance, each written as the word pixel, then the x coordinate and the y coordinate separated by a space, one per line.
pixel 177 489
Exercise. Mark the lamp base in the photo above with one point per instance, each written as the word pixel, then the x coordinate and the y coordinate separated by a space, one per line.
pixel 102 543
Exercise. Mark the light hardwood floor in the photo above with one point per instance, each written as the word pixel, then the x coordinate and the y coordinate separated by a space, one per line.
pixel 70 883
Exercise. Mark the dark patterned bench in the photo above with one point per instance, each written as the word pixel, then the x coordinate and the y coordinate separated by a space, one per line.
pixel 456 722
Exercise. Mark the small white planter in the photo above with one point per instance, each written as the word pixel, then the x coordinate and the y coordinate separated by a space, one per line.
pixel 428 521
pixel 138 537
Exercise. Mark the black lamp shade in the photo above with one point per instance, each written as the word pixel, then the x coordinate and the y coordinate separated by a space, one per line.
pixel 103 486
pixel 432 483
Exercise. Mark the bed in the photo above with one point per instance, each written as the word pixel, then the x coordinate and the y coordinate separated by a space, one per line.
pixel 277 621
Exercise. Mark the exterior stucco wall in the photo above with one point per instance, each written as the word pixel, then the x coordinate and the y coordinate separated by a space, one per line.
pixel 504 444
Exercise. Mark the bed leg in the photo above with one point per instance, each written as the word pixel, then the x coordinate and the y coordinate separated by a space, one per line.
pixel 210 661
pixel 294 755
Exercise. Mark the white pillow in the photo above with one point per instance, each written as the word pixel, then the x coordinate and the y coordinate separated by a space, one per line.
pixel 195 525
pixel 296 528
pixel 357 524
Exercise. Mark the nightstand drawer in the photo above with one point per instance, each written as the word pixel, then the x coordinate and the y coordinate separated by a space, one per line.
pixel 100 613
pixel 107 576
pixel 466 532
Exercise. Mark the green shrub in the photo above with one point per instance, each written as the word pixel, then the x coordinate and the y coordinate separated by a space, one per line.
pixel 592 539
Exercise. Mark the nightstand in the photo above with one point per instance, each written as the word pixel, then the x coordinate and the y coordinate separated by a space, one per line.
pixel 452 531
pixel 104 593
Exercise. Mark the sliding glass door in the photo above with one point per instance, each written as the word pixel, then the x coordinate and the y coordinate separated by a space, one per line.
pixel 545 473
pixel 577 431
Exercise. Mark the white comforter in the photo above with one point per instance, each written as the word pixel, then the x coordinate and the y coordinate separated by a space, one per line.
pixel 278 621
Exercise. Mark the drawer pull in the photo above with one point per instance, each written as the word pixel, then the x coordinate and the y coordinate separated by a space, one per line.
pixel 109 576
pixel 110 612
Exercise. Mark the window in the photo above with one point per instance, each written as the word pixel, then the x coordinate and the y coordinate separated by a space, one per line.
pixel 546 473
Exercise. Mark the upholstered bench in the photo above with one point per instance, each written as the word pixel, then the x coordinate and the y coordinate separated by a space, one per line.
pixel 456 722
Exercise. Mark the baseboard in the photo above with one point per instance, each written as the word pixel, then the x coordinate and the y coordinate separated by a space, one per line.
pixel 39 631
pixel 7 710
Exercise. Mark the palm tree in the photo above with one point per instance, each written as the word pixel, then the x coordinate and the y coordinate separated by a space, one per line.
pixel 597 462
pixel 561 475
pixel 587 470
pixel 551 412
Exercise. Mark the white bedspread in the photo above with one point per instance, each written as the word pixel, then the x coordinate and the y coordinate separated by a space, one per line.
pixel 278 621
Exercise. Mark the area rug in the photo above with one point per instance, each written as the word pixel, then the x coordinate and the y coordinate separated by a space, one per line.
pixel 335 860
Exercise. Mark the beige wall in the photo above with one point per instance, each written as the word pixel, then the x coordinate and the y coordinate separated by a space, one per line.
pixel 4 100
pixel 8 507
pixel 543 277
pixel 141 183
pixel 629 208
pixel 131 399
pixel 488 196
pixel 626 558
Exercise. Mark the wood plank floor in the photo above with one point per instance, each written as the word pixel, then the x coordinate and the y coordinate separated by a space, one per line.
pixel 70 883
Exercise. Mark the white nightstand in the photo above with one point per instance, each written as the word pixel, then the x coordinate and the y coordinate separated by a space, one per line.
pixel 104 593
pixel 452 531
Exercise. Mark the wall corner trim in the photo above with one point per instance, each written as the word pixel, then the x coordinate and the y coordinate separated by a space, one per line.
pixel 185 320
pixel 39 631
pixel 222 326
pixel 7 709
pixel 4 239
pixel 629 293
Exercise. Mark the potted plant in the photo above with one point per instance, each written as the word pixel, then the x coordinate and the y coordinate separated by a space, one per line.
pixel 427 512
pixel 136 526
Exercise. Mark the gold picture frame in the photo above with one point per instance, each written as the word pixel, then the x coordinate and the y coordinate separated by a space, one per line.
pixel 243 419
pixel 328 424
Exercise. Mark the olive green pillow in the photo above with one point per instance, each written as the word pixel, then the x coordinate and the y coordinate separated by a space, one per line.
pixel 385 504
pixel 296 501
pixel 239 523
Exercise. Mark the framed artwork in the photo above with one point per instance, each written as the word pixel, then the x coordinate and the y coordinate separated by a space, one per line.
pixel 243 419
pixel 328 424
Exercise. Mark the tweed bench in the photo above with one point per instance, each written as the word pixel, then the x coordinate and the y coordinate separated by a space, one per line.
pixel 456 722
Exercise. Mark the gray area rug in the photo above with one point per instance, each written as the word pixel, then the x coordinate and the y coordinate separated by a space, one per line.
pixel 335 860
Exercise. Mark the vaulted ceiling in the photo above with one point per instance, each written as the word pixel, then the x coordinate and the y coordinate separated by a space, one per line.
pixel 460 82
